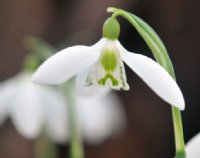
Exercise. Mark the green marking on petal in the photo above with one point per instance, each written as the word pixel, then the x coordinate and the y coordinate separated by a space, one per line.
pixel 108 76
pixel 109 60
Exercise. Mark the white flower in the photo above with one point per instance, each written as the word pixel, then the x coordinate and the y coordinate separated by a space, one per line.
pixel 34 109
pixel 193 147
pixel 106 68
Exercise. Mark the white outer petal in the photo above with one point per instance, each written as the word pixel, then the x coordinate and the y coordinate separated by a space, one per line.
pixel 155 76
pixel 84 90
pixel 21 103
pixel 193 147
pixel 6 96
pixel 67 63
pixel 26 110
pixel 100 118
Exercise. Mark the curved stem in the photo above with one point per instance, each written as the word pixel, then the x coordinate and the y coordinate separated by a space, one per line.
pixel 160 53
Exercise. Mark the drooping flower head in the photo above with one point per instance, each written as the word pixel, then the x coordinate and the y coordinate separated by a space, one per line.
pixel 104 65
pixel 109 68
pixel 34 109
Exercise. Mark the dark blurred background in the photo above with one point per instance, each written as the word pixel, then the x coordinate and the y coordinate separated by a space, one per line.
pixel 149 133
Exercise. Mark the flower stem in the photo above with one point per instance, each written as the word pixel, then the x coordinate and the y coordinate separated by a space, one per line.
pixel 44 148
pixel 178 132
pixel 161 55
pixel 76 147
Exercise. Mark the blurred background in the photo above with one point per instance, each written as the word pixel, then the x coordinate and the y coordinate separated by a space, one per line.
pixel 149 131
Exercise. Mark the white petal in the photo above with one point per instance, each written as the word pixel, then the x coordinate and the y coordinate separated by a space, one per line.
pixel 22 104
pixel 7 92
pixel 88 91
pixel 67 63
pixel 193 147
pixel 56 115
pixel 26 111
pixel 100 118
pixel 155 76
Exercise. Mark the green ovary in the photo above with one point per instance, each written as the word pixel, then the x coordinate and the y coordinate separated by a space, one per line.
pixel 109 60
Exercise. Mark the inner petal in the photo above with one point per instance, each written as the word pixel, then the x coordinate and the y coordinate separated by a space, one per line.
pixel 109 70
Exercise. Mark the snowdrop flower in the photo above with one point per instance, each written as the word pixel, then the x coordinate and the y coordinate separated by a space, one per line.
pixel 105 61
pixel 32 107
pixel 193 147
